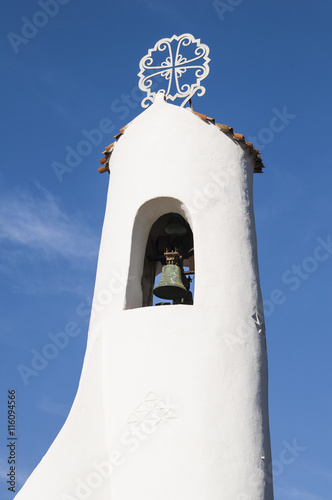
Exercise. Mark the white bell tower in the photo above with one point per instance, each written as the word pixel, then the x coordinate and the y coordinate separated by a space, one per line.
pixel 172 402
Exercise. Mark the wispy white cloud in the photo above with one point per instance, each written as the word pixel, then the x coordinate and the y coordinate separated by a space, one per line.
pixel 43 250
pixel 36 222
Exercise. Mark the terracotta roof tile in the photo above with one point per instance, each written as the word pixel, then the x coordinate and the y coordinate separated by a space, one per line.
pixel 207 119
pixel 224 128
pixel 103 169
pixel 109 148
pixel 108 151
pixel 239 137
pixel 203 117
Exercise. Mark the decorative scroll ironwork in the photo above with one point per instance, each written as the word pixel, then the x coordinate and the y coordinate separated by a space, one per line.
pixel 164 73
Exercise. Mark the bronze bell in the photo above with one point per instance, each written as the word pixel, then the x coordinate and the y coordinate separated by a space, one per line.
pixel 170 286
pixel 175 226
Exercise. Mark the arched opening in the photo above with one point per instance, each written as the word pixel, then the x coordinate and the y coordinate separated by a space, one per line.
pixel 162 268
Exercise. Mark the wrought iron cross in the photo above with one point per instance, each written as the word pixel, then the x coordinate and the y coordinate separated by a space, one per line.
pixel 172 68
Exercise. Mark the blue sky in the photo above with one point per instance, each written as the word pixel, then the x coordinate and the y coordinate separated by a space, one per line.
pixel 63 79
